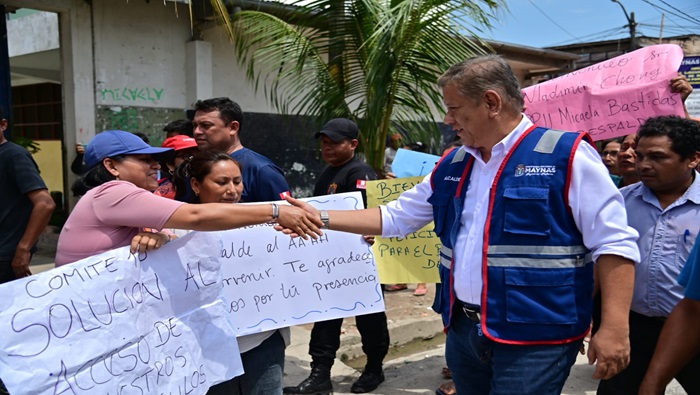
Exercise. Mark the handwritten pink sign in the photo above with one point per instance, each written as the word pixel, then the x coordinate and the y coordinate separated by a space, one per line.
pixel 612 98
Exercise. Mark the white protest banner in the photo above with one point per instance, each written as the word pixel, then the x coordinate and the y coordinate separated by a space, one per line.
pixel 612 98
pixel 121 324
pixel 272 280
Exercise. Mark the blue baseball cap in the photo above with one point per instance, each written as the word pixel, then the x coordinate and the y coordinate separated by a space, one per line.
pixel 118 142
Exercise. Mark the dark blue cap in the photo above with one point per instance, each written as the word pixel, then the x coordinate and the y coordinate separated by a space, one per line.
pixel 339 129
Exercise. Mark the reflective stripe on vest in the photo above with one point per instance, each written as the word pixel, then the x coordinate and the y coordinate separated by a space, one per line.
pixel 459 156
pixel 539 250
pixel 548 141
pixel 554 257
pixel 446 257
pixel 539 263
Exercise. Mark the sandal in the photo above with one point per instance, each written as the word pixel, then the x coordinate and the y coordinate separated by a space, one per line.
pixel 447 388
pixel 446 373
pixel 395 287
pixel 420 291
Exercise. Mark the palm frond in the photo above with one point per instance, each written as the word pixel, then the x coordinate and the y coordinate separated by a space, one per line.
pixel 374 61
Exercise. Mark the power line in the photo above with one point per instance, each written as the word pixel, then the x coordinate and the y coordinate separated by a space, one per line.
pixel 552 20
pixel 606 32
pixel 594 36
pixel 693 18
pixel 661 9
pixel 657 26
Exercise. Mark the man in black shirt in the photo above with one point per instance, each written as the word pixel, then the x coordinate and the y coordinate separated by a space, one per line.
pixel 344 173
pixel 25 208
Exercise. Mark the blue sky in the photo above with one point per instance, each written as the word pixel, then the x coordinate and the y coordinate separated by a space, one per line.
pixel 529 22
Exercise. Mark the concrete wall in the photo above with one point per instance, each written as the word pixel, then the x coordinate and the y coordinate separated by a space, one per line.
pixel 229 78
pixel 148 70
pixel 140 58
pixel 147 120
pixel 32 33
pixel 140 53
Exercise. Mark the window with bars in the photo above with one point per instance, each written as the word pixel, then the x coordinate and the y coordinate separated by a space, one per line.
pixel 37 111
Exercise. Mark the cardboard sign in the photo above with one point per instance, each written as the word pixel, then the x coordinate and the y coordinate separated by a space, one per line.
pixel 410 259
pixel 409 163
pixel 116 323
pixel 612 98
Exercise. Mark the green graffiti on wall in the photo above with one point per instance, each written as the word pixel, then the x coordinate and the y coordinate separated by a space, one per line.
pixel 147 120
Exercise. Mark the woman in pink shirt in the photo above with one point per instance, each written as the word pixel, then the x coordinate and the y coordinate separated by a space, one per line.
pixel 117 204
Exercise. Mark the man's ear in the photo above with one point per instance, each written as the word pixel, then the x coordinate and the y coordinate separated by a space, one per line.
pixel 234 126
pixel 354 143
pixel 493 102
pixel 694 160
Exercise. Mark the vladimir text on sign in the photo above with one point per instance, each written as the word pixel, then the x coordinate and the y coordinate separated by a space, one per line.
pixel 612 98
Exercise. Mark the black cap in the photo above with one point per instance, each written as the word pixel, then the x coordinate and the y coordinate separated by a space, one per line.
pixel 339 129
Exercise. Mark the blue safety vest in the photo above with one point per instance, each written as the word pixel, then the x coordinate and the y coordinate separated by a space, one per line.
pixel 537 273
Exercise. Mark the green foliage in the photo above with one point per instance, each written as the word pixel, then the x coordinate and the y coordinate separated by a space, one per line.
pixel 27 143
pixel 373 61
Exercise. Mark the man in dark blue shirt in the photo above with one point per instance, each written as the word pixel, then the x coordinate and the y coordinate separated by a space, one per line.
pixel 217 124
pixel 25 207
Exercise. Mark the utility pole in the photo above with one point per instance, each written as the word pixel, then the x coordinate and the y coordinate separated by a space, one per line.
pixel 631 24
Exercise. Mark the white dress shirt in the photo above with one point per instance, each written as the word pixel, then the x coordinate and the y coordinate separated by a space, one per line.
pixel 596 204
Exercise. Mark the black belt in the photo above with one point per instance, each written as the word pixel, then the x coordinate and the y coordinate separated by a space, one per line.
pixel 472 311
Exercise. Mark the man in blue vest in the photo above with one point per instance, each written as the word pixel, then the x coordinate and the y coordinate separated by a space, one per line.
pixel 523 214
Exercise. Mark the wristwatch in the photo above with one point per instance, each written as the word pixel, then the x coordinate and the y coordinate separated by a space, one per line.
pixel 325 219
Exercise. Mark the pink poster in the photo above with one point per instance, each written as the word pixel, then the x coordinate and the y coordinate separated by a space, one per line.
pixel 612 98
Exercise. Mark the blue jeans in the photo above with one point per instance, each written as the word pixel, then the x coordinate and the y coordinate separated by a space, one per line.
pixel 264 368
pixel 484 367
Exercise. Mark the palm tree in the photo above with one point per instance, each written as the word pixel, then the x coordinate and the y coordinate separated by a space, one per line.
pixel 373 61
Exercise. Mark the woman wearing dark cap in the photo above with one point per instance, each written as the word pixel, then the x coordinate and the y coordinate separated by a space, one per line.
pixel 117 203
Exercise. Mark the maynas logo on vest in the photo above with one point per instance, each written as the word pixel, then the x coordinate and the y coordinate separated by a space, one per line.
pixel 522 170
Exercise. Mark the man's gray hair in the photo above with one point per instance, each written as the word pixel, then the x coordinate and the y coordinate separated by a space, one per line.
pixel 476 75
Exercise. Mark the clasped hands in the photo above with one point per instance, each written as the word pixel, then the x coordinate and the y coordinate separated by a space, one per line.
pixel 300 219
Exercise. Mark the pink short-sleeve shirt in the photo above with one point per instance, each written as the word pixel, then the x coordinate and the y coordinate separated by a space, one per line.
pixel 109 216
